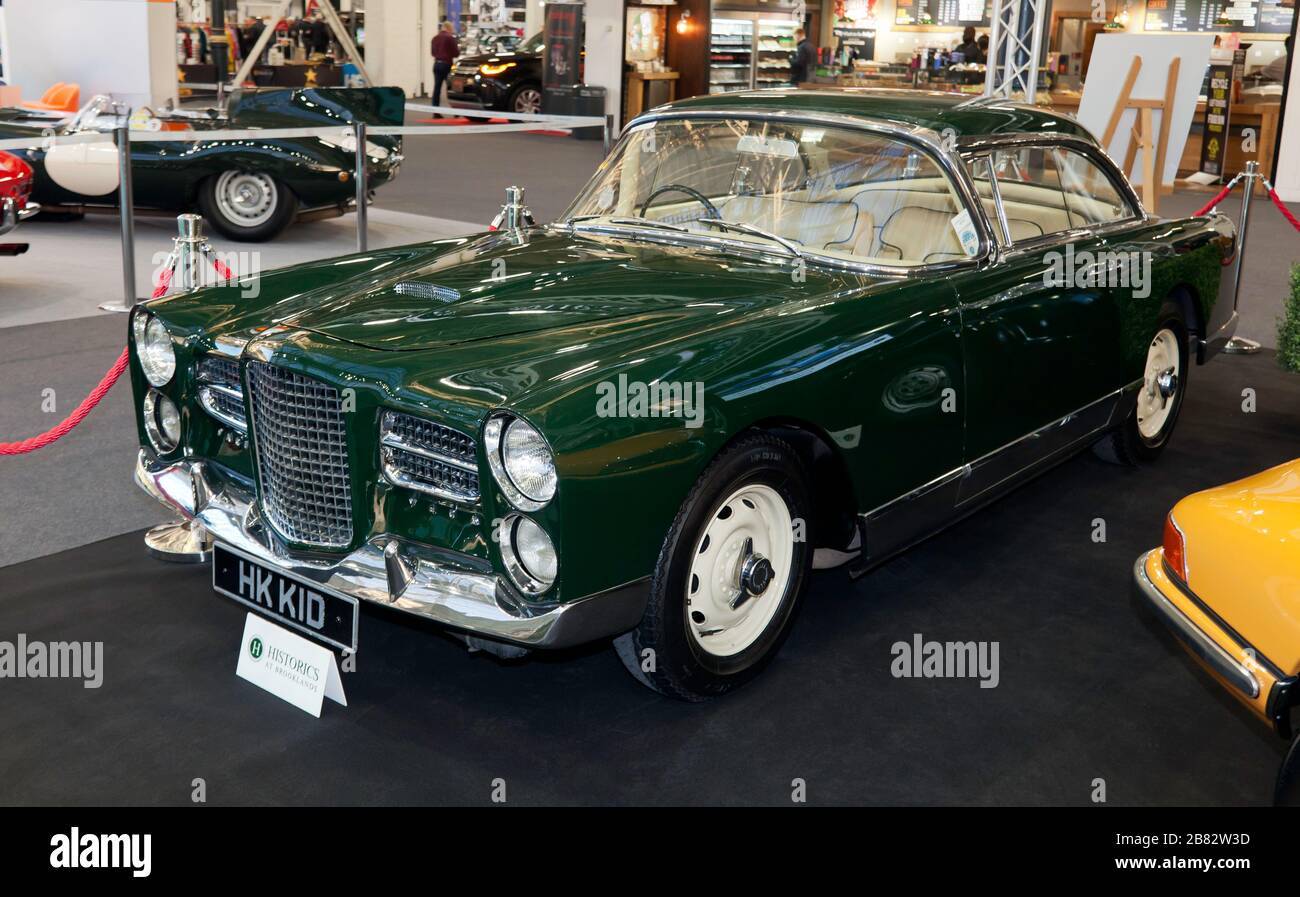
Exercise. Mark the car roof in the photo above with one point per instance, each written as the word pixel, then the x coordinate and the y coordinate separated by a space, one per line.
pixel 968 116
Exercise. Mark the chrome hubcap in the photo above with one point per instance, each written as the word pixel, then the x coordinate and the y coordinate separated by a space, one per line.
pixel 1159 384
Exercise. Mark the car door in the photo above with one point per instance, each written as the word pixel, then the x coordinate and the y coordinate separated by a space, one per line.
pixel 1041 332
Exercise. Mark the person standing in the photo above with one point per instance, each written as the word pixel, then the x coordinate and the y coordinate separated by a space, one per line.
pixel 801 63
pixel 445 50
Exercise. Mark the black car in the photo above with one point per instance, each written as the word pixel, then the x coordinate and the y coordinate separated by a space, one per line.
pixel 506 82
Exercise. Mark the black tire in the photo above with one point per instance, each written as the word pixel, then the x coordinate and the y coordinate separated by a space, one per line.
pixel 1126 445
pixel 681 668
pixel 284 210
pixel 1286 793
pixel 517 94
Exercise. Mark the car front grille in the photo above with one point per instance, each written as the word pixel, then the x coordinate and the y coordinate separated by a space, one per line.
pixel 302 456
pixel 428 457
pixel 220 392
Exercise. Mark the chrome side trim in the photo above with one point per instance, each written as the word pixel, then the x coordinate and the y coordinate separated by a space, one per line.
pixel 450 588
pixel 1191 635
pixel 908 518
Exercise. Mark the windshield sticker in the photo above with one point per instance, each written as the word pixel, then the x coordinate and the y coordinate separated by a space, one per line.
pixel 767 146
pixel 965 230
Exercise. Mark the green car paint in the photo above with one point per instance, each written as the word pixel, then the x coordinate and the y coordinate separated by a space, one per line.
pixel 167 175
pixel 896 380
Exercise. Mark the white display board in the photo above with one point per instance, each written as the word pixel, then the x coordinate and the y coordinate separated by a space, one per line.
pixel 1112 55
pixel 1287 163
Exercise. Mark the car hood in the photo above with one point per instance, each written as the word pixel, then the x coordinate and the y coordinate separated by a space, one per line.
pixel 506 285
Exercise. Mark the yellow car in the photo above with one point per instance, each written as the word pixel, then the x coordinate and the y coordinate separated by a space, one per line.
pixel 1226 582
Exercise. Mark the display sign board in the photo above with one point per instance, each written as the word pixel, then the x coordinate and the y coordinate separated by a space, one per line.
pixel 1248 16
pixel 1214 136
pixel 1112 56
pixel 288 666
pixel 944 13
pixel 562 61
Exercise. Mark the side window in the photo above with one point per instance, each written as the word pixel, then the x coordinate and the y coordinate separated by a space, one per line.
pixel 1047 189
pixel 1090 195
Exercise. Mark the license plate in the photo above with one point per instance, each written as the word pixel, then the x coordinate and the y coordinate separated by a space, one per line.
pixel 458 84
pixel 305 606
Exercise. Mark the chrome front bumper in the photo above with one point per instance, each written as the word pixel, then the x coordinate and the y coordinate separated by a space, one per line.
pixel 446 587
pixel 10 215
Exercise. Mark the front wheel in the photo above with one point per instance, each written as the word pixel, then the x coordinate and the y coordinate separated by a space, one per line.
pixel 1144 435
pixel 526 98
pixel 729 575
pixel 248 206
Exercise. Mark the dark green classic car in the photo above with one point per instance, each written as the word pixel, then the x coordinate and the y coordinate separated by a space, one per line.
pixel 247 188
pixel 775 327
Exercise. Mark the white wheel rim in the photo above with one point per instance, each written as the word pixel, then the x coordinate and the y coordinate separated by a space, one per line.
pixel 246 198
pixel 529 101
pixel 1159 384
pixel 721 615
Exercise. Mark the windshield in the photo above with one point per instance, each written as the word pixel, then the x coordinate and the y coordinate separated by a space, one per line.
pixel 532 45
pixel 828 191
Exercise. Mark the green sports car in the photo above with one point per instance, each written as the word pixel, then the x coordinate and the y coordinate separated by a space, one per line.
pixel 247 189
pixel 777 331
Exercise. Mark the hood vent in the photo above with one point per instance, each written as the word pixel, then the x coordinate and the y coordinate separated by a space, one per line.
pixel 430 291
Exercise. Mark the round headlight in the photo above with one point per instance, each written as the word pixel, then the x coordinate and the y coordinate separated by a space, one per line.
pixel 529 555
pixel 157 357
pixel 521 462
pixel 162 421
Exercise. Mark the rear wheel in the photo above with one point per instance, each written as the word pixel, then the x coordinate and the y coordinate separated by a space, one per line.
pixel 729 576
pixel 1144 435
pixel 526 98
pixel 247 205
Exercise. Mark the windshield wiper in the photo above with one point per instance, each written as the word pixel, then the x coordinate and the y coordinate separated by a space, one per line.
pixel 752 231
pixel 634 220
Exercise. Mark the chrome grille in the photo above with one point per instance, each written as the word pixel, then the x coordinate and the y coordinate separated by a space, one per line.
pixel 428 457
pixel 302 456
pixel 220 392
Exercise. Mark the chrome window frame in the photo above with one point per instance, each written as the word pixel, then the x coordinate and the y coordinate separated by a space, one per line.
pixel 925 140
pixel 973 148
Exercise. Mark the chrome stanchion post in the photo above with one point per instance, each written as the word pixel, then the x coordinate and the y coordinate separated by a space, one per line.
pixel 191 251
pixel 126 201
pixel 359 133
pixel 1240 345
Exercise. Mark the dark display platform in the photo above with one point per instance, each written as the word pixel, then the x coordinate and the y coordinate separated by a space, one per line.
pixel 1087 689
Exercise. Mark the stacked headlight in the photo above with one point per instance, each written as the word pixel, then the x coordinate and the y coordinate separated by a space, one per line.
pixel 529 554
pixel 522 463
pixel 523 466
pixel 153 346
pixel 162 422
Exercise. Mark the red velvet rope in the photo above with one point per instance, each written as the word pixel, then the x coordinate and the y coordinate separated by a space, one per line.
pixel 1281 207
pixel 1218 198
pixel 97 394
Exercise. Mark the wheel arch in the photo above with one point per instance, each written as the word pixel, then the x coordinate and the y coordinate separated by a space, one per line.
pixel 832 488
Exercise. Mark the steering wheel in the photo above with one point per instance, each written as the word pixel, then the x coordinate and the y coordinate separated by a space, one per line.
pixel 681 188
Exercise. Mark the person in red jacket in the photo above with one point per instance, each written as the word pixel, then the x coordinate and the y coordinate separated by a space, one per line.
pixel 445 50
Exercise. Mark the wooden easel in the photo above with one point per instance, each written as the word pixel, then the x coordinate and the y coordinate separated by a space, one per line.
pixel 1144 135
